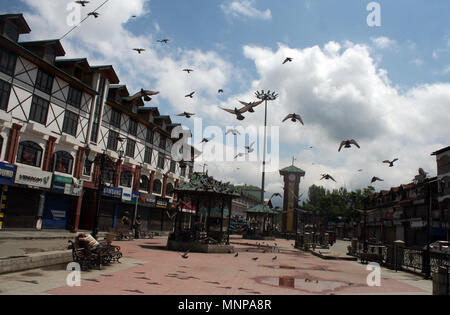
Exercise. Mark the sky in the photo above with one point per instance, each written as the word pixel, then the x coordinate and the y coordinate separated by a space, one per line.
pixel 386 86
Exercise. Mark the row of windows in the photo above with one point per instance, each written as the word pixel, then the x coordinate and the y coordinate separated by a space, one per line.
pixel 7 62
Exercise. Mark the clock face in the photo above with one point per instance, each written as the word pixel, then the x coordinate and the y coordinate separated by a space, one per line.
pixel 292 177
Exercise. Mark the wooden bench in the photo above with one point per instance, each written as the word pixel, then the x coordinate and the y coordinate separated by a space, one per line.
pixel 365 258
pixel 89 259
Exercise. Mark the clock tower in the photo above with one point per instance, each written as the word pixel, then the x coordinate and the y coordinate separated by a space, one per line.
pixel 292 176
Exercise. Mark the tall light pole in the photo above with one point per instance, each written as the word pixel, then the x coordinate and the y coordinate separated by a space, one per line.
pixel 265 96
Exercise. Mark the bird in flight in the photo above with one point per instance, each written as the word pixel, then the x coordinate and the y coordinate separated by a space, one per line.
pixel 205 140
pixel 250 148
pixel 220 91
pixel 327 177
pixel 276 195
pixel 255 259
pixel 83 3
pixel 164 41
pixel 239 155
pixel 294 118
pixel 235 132
pixel 391 163
pixel 139 50
pixel 251 105
pixel 288 59
pixel 360 170
pixel 374 179
pixel 191 95
pixel 237 112
pixel 187 115
pixel 237 254
pixel 94 14
pixel 188 70
pixel 347 144
pixel 274 258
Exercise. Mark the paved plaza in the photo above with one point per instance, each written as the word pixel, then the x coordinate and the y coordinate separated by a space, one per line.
pixel 148 268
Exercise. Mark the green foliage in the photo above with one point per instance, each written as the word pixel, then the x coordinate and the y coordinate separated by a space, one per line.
pixel 337 205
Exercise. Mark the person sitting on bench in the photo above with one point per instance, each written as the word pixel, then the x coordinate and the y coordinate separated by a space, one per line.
pixel 92 244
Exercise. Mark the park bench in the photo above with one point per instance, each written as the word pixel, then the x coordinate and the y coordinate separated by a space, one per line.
pixel 365 258
pixel 112 251
pixel 146 234
pixel 123 232
pixel 89 259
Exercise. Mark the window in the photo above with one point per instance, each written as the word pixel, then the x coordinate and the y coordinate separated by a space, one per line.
pixel 39 110
pixel 169 190
pixel 162 142
pixel 144 183
pixel 70 123
pixel 113 140
pixel 7 61
pixel 183 171
pixel 172 166
pixel 87 169
pixel 29 153
pixel 98 110
pixel 44 81
pixel 49 55
pixel 62 162
pixel 161 161
pixel 131 145
pixel 157 186
pixel 5 90
pixel 11 32
pixel 115 118
pixel 132 127
pixel 148 155
pixel 149 137
pixel 74 98
pixel 126 179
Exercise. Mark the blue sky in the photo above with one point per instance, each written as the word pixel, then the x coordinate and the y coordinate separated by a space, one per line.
pixel 386 86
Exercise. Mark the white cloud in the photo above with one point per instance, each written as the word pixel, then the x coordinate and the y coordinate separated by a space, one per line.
pixel 245 8
pixel 383 42
pixel 417 62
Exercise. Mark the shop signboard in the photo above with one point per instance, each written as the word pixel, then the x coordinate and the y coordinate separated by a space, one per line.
pixel 64 185
pixel 33 177
pixel 147 200
pixel 129 196
pixel 112 192
pixel 162 203
pixel 7 172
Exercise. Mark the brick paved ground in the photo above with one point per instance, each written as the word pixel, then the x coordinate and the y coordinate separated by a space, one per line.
pixel 150 269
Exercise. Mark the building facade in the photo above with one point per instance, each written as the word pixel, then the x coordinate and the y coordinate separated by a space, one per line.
pixel 56 116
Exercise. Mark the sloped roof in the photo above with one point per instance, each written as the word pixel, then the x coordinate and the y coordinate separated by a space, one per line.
pixel 206 184
pixel 261 208
pixel 292 169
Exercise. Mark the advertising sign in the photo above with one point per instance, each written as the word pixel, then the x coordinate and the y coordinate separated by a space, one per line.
pixel 33 177
pixel 64 185
pixel 7 172
pixel 112 192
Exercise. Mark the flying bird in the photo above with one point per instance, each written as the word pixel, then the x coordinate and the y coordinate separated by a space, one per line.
pixel 288 59
pixel 239 155
pixel 187 115
pixel 374 179
pixel 94 14
pixel 276 195
pixel 422 173
pixel 250 148
pixel 191 95
pixel 360 170
pixel 83 3
pixel 204 140
pixel 165 41
pixel 347 144
pixel 235 132
pixel 237 112
pixel 237 254
pixel 185 255
pixel 139 50
pixel 274 258
pixel 294 118
pixel 220 91
pixel 327 177
pixel 391 163
pixel 255 259
pixel 188 70
pixel 251 105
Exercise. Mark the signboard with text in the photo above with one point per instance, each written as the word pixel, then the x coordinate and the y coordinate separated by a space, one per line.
pixel 33 177
pixel 7 172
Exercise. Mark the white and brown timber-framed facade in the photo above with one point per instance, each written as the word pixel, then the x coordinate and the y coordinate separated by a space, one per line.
pixel 52 112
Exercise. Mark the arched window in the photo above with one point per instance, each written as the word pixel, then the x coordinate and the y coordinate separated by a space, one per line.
pixel 29 153
pixel 143 183
pixel 126 179
pixel 169 190
pixel 62 162
pixel 157 186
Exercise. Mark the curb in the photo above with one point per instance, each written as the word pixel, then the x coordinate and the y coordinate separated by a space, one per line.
pixel 37 260
pixel 333 257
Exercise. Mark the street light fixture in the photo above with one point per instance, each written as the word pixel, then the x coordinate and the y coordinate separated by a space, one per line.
pixel 265 96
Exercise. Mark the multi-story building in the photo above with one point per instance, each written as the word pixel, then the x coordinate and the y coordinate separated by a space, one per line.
pixel 56 116
pixel 250 197
pixel 403 213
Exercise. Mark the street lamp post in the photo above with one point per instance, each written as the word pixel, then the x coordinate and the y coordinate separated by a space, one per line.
pixel 265 96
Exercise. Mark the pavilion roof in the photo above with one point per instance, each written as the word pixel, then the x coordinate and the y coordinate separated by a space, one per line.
pixel 261 208
pixel 207 184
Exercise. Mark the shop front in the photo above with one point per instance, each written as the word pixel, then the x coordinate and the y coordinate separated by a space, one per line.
pixel 7 172
pixel 26 198
pixel 129 205
pixel 147 202
pixel 109 208
pixel 60 202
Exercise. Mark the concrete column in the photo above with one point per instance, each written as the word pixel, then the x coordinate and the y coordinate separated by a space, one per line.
pixel 117 176
pixel 137 178
pixel 76 223
pixel 164 188
pixel 13 143
pixel 40 211
pixel 79 163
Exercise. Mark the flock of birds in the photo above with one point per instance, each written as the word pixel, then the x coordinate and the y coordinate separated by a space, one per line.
pixel 247 107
